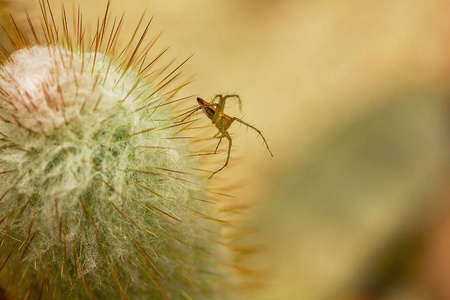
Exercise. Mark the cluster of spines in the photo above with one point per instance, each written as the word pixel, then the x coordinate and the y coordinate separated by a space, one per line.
pixel 129 58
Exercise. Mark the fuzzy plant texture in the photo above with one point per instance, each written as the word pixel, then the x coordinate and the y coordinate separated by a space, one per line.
pixel 101 196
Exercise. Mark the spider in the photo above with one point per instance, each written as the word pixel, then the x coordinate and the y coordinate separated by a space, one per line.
pixel 222 121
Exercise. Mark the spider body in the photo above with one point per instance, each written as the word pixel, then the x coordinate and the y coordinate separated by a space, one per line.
pixel 222 121
pixel 207 108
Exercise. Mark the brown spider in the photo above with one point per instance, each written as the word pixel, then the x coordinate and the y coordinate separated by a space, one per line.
pixel 222 121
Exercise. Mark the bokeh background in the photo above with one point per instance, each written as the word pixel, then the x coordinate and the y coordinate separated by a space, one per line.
pixel 353 98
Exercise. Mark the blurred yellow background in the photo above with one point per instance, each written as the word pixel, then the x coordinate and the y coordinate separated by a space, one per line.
pixel 352 97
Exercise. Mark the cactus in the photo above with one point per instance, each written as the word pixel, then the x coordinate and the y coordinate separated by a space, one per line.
pixel 101 193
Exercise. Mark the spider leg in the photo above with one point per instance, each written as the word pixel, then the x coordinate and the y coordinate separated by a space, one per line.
pixel 225 134
pixel 254 128
pixel 190 114
pixel 223 98
pixel 215 97
pixel 234 96
pixel 213 104
pixel 219 108
pixel 194 110
pixel 218 144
